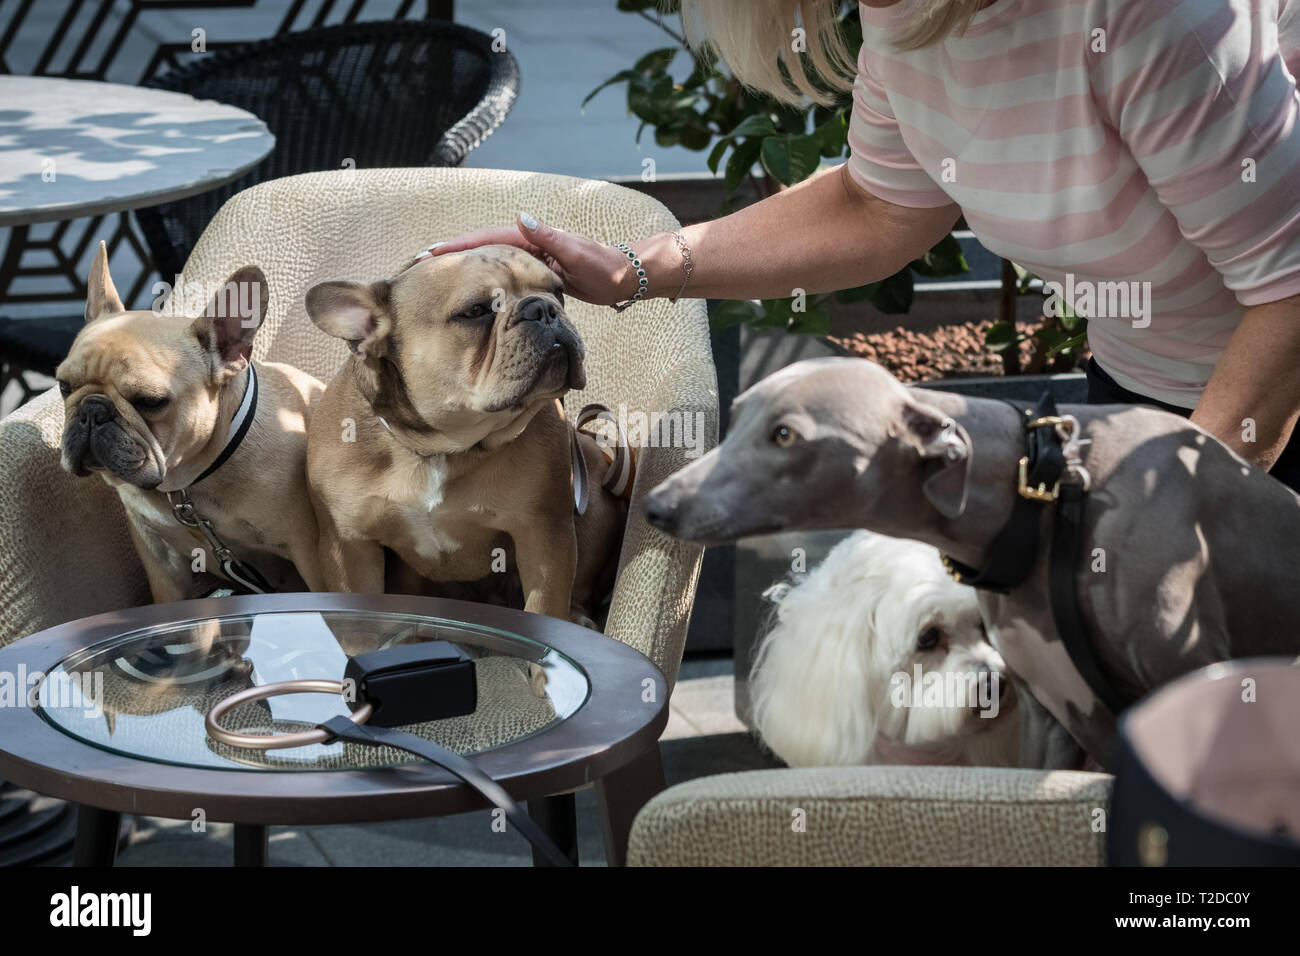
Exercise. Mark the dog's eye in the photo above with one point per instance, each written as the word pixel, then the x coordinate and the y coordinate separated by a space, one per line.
pixel 783 436
pixel 150 404
pixel 476 311
pixel 559 294
pixel 65 389
pixel 929 639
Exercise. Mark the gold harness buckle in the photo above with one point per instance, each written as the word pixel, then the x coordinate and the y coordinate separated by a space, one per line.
pixel 1042 492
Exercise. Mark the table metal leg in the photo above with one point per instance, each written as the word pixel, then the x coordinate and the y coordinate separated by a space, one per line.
pixel 33 828
pixel 622 794
pixel 250 844
pixel 558 818
pixel 97 830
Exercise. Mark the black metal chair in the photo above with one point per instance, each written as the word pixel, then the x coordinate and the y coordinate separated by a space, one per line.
pixel 394 93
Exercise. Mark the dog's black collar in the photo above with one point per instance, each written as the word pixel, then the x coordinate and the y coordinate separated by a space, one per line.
pixel 239 572
pixel 239 425
pixel 1013 552
pixel 1045 479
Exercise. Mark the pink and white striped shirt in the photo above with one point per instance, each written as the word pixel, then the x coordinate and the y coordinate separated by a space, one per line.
pixel 1104 141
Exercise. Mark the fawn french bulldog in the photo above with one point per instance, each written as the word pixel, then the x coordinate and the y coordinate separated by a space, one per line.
pixel 461 448
pixel 171 410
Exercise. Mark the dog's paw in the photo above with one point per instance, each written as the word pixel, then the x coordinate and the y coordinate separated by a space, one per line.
pixel 537 679
pixel 582 620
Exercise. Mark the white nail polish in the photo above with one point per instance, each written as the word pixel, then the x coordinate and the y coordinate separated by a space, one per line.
pixel 435 246
pixel 528 221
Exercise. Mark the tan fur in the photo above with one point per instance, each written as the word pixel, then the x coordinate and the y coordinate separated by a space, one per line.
pixel 476 455
pixel 257 500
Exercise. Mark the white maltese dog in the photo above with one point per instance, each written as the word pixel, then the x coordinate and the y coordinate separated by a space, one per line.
pixel 878 657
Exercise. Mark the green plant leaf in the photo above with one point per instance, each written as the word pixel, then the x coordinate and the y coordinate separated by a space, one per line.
pixel 814 321
pixel 732 312
pixel 1069 320
pixel 667 136
pixel 790 159
pixel 945 258
pixel 741 161
pixel 656 61
pixel 833 135
pixel 1069 344
pixel 893 296
pixel 716 155
pixel 756 124
pixel 651 98
pixel 1002 336
pixel 622 76
pixel 696 135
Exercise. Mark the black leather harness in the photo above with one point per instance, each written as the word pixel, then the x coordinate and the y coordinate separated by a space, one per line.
pixel 1046 477
pixel 240 573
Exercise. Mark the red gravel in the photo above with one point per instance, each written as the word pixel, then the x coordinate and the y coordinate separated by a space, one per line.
pixel 950 351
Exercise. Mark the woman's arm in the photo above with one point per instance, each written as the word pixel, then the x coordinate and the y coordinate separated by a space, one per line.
pixel 823 234
pixel 1256 382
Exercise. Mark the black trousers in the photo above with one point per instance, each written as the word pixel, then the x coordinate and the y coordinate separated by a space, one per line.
pixel 1104 390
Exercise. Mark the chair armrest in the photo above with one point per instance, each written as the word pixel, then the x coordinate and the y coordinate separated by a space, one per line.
pixel 658 573
pixel 65 551
pixel 876 816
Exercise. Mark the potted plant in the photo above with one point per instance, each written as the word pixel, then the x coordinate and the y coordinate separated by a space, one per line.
pixel 755 140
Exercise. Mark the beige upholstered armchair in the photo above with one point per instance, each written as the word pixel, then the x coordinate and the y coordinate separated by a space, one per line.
pixel 64 548
pixel 877 816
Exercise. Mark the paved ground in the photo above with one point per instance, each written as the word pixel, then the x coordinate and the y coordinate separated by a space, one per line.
pixel 703 738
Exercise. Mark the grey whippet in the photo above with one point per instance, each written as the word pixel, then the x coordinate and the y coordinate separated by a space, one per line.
pixel 1191 552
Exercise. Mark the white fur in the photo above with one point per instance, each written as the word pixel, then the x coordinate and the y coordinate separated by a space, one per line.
pixel 821 681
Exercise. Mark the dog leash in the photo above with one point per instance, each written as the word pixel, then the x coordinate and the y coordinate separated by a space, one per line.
pixel 183 508
pixel 388 688
pixel 1050 472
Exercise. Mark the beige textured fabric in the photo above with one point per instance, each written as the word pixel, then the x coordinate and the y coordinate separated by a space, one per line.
pixel 64 551
pixel 876 816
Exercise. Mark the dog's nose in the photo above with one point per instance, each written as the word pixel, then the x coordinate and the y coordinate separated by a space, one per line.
pixel 536 309
pixel 95 410
pixel 660 511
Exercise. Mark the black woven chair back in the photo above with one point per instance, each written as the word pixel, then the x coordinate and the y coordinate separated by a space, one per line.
pixel 357 95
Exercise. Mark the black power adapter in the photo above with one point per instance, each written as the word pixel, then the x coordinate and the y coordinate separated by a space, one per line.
pixel 412 683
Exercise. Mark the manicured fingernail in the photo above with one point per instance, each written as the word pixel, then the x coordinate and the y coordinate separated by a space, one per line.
pixel 528 221
pixel 435 246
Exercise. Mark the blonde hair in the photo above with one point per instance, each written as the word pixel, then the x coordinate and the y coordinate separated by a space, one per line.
pixel 754 39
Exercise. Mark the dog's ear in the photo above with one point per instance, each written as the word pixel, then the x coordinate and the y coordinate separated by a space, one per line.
pixel 945 452
pixel 233 316
pixel 356 312
pixel 101 294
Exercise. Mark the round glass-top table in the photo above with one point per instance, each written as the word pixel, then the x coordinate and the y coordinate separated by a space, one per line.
pixel 72 148
pixel 115 704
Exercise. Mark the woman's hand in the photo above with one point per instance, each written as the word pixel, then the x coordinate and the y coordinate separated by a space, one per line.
pixel 590 271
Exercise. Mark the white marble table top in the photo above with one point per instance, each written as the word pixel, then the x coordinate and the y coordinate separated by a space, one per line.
pixel 72 148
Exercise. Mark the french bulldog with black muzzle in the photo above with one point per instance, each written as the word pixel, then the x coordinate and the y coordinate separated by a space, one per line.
pixel 149 404
pixel 443 438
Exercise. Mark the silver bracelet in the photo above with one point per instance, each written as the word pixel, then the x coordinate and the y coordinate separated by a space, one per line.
pixel 642 281
pixel 688 267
